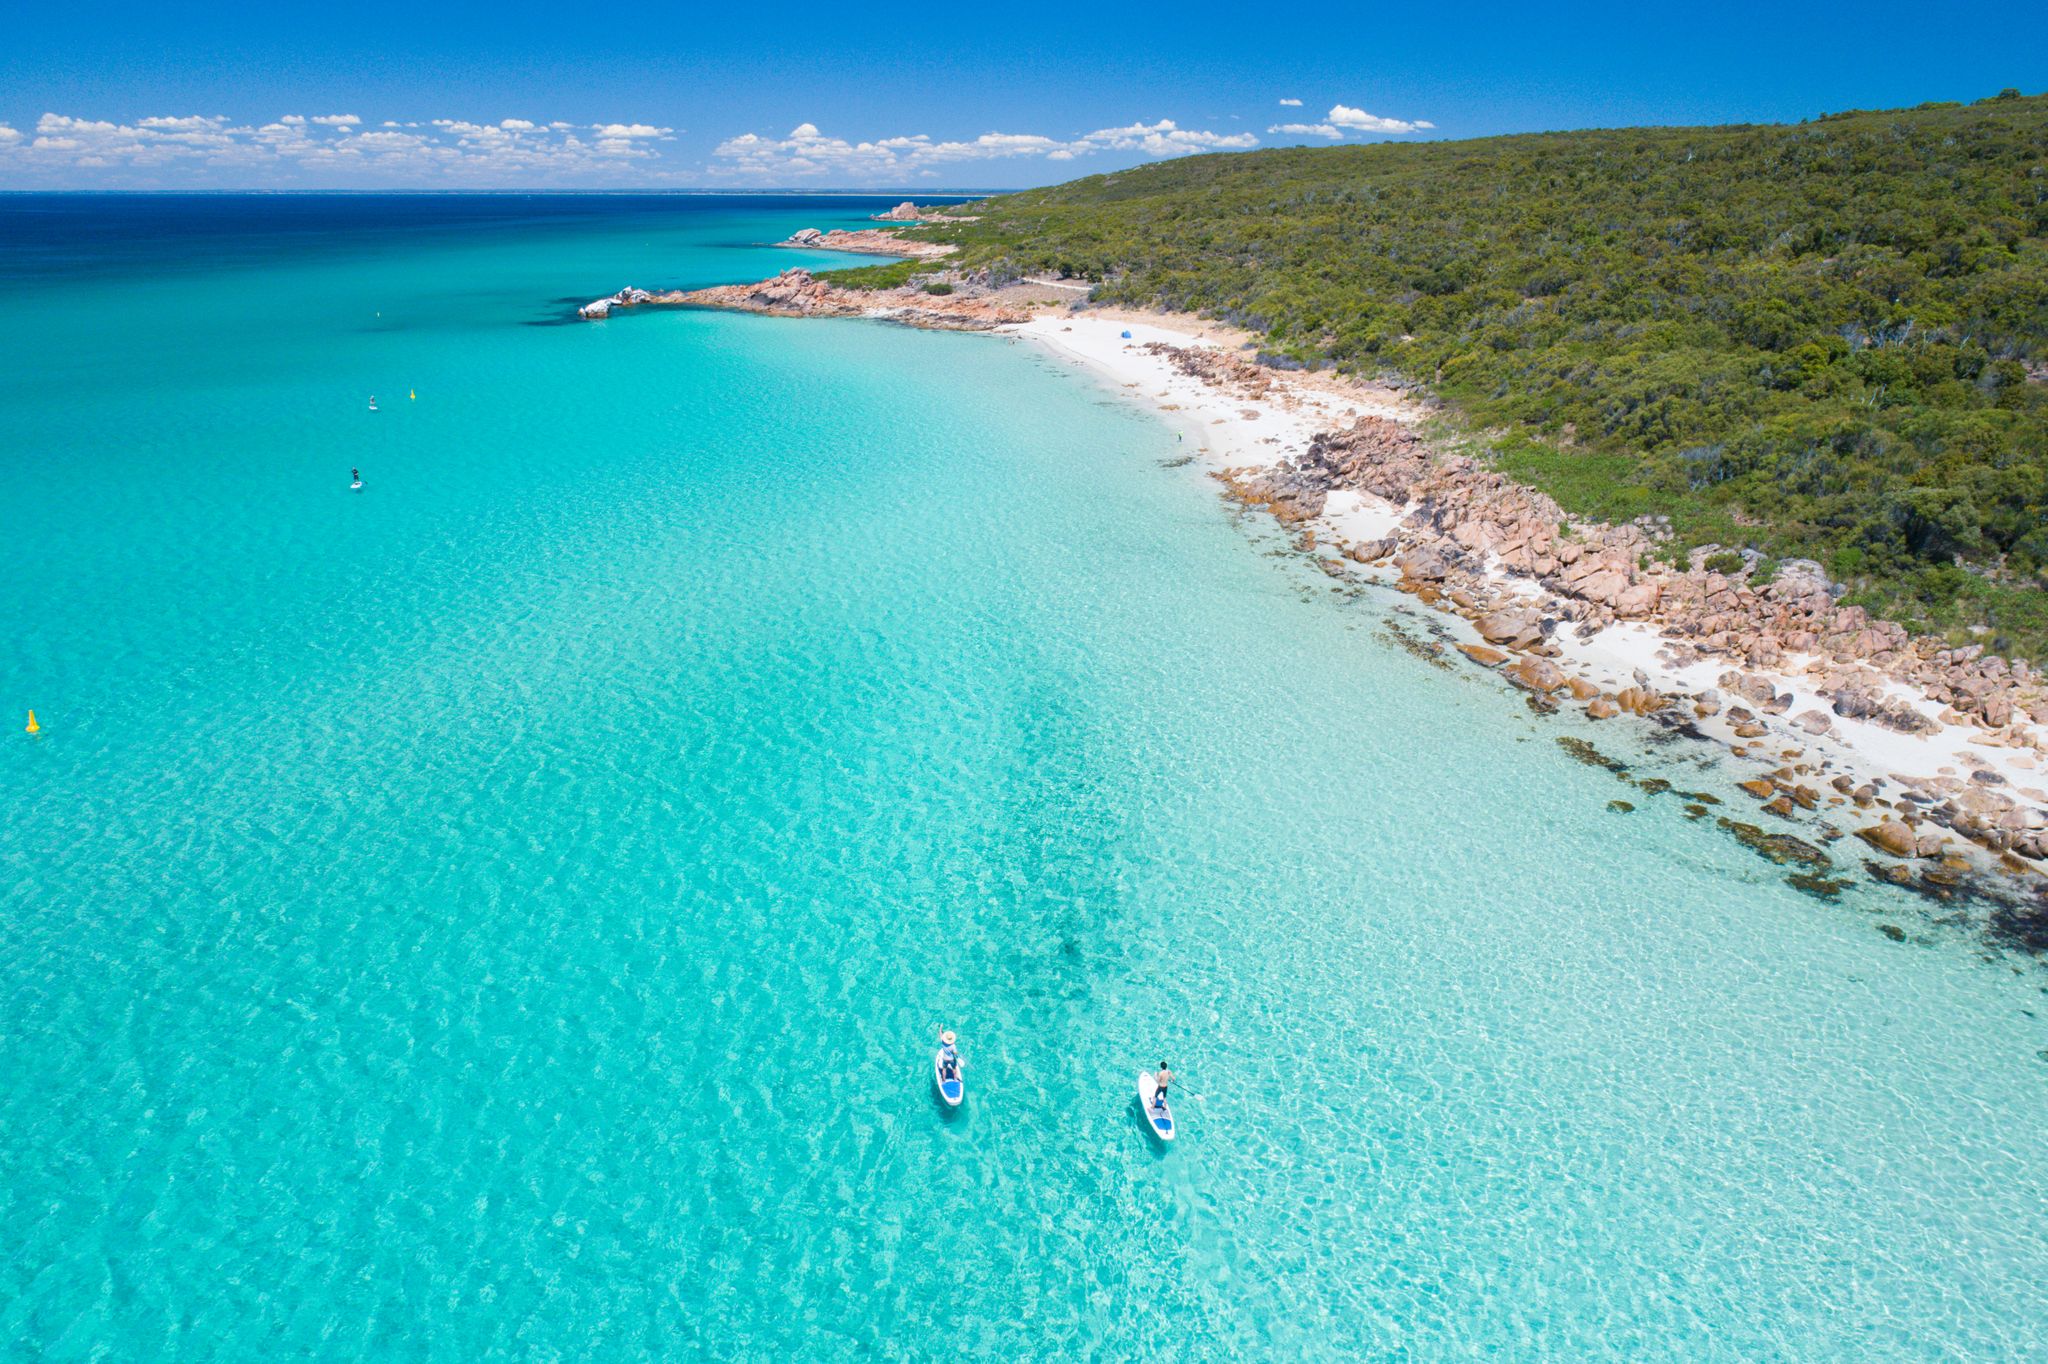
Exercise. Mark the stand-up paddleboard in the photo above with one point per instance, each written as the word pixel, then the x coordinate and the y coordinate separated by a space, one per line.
pixel 953 1090
pixel 356 486
pixel 1160 1119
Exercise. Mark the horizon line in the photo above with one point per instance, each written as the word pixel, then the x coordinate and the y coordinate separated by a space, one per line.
pixel 813 193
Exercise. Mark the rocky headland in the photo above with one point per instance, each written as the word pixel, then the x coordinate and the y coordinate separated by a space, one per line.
pixel 867 241
pixel 909 212
pixel 798 293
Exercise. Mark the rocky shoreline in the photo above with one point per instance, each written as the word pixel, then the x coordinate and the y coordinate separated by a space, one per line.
pixel 908 212
pixel 798 293
pixel 1830 716
pixel 1508 559
pixel 867 241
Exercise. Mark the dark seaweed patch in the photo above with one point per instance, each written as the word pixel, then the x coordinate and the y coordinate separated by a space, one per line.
pixel 1428 651
pixel 1782 849
pixel 1584 752
pixel 2023 924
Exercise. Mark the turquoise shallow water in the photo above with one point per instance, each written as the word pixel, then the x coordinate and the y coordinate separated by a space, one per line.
pixel 504 914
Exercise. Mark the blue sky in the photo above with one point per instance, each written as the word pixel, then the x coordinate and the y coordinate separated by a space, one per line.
pixel 623 94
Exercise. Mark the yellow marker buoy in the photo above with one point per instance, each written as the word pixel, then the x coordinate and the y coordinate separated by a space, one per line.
pixel 410 393
pixel 33 727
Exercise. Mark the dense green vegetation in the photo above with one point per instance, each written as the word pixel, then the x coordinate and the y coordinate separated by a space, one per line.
pixel 1828 339
pixel 890 275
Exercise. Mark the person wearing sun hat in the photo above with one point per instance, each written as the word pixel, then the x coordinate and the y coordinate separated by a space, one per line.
pixel 949 1058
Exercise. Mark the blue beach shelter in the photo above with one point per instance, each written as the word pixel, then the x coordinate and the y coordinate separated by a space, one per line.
pixel 1127 336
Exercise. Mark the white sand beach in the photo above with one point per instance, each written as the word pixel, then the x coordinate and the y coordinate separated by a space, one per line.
pixel 1228 430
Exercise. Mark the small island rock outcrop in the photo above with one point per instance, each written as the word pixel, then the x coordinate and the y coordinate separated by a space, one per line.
pixel 867 241
pixel 799 293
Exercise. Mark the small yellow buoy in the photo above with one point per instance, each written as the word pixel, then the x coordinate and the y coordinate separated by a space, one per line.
pixel 33 727
pixel 410 393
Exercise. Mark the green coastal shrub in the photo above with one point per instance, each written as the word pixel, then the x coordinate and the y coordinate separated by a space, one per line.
pixel 1826 339
pixel 1725 563
pixel 893 275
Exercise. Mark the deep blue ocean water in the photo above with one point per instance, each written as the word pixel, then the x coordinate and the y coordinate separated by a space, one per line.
pixel 505 912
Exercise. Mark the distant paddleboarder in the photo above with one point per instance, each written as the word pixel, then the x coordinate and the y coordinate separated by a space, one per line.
pixel 355 479
pixel 946 1070
pixel 1152 1105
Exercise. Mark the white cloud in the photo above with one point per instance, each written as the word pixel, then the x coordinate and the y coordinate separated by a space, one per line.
pixel 1165 139
pixel 1357 120
pixel 329 148
pixel 807 152
pixel 191 124
pixel 153 141
pixel 383 142
pixel 1291 103
pixel 1308 130
pixel 342 149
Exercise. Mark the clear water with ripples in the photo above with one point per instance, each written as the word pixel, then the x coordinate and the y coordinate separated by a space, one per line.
pixel 505 913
